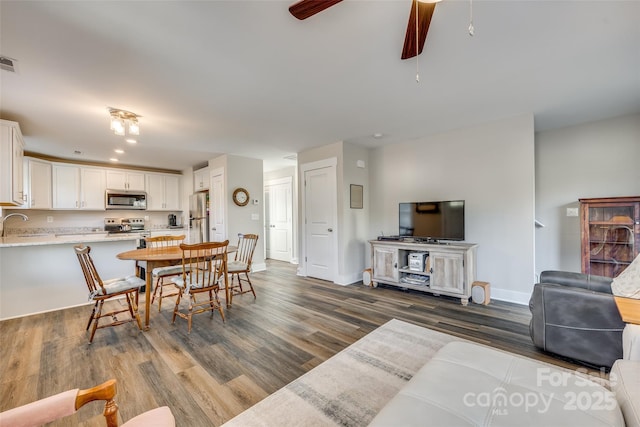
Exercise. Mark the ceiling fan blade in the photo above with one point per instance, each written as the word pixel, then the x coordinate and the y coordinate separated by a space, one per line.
pixel 306 8
pixel 425 12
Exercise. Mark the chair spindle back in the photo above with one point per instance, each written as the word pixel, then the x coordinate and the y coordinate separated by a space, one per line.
pixel 91 276
pixel 204 264
pixel 246 247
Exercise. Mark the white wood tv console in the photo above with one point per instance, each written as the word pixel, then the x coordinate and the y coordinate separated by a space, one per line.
pixel 448 268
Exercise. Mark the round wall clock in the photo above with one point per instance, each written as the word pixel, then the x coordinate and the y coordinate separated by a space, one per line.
pixel 241 197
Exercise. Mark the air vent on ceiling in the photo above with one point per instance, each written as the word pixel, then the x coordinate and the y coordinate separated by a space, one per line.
pixel 7 64
pixel 291 157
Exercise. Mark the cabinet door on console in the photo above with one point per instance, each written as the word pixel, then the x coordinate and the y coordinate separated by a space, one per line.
pixel 385 263
pixel 447 272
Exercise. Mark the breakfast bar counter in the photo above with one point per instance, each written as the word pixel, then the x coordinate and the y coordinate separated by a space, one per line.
pixel 40 273
pixel 45 239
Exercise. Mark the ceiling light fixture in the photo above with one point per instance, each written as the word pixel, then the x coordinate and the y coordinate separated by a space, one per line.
pixel 119 151
pixel 131 141
pixel 121 118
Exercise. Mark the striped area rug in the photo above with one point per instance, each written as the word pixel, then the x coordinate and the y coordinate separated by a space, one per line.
pixel 350 388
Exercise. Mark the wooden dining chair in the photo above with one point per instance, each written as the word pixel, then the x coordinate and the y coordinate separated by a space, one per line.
pixel 103 290
pixel 204 266
pixel 241 265
pixel 161 274
pixel 67 403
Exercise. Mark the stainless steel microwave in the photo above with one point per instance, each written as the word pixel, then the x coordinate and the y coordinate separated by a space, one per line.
pixel 122 199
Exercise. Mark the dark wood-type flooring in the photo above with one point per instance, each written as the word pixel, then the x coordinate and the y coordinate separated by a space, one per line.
pixel 219 370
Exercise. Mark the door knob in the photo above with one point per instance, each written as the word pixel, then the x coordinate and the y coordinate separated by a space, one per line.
pixel 330 230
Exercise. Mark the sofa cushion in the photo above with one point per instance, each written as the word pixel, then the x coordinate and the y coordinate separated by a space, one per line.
pixel 625 383
pixel 468 384
pixel 590 282
pixel 627 284
pixel 159 417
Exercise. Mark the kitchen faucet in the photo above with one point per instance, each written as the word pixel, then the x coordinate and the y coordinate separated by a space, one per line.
pixel 2 221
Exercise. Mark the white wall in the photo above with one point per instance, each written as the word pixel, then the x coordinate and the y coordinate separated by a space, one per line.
pixel 353 223
pixel 246 173
pixel 597 159
pixel 491 167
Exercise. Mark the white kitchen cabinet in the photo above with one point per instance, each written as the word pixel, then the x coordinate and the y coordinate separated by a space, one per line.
pixel 92 188
pixel 201 179
pixel 163 192
pixel 66 187
pixel 125 180
pixel 38 189
pixel 78 187
pixel 174 232
pixel 11 164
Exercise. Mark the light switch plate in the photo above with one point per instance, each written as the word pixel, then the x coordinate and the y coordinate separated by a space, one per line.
pixel 572 211
pixel 255 217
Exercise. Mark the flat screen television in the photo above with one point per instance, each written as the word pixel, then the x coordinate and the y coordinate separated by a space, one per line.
pixel 442 220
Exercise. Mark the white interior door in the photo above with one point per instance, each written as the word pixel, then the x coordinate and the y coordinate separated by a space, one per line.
pixel 216 208
pixel 278 219
pixel 320 223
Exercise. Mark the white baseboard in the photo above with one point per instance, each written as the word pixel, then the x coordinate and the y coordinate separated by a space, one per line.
pixel 340 280
pixel 54 309
pixel 510 296
pixel 258 267
pixel 345 280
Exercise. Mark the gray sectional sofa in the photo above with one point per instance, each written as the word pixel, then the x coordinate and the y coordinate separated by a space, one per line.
pixel 467 384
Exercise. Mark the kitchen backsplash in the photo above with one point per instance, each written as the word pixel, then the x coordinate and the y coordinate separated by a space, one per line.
pixel 78 222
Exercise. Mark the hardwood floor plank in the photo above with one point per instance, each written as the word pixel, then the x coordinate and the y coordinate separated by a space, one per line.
pixel 215 399
pixel 220 369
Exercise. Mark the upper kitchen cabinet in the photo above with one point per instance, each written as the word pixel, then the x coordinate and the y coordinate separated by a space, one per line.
pixel 37 184
pixel 11 157
pixel 163 192
pixel 125 180
pixel 78 187
pixel 201 179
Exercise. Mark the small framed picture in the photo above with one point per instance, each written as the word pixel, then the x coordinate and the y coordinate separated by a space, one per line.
pixel 356 196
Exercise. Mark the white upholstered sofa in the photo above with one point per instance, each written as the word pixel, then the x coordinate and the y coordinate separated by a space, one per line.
pixel 466 384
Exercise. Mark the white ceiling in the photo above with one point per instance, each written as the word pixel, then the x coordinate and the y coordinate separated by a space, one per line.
pixel 246 78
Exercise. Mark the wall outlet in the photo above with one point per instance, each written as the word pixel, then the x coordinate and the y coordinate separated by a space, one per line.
pixel 255 217
pixel 146 217
pixel 49 219
pixel 572 211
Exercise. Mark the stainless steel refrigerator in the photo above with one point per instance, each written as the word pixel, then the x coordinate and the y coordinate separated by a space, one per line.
pixel 199 217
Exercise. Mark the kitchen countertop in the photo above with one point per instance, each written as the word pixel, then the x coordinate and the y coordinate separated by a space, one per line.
pixel 59 239
pixel 37 239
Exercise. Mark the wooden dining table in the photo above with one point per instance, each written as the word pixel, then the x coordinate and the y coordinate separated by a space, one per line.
pixel 161 257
